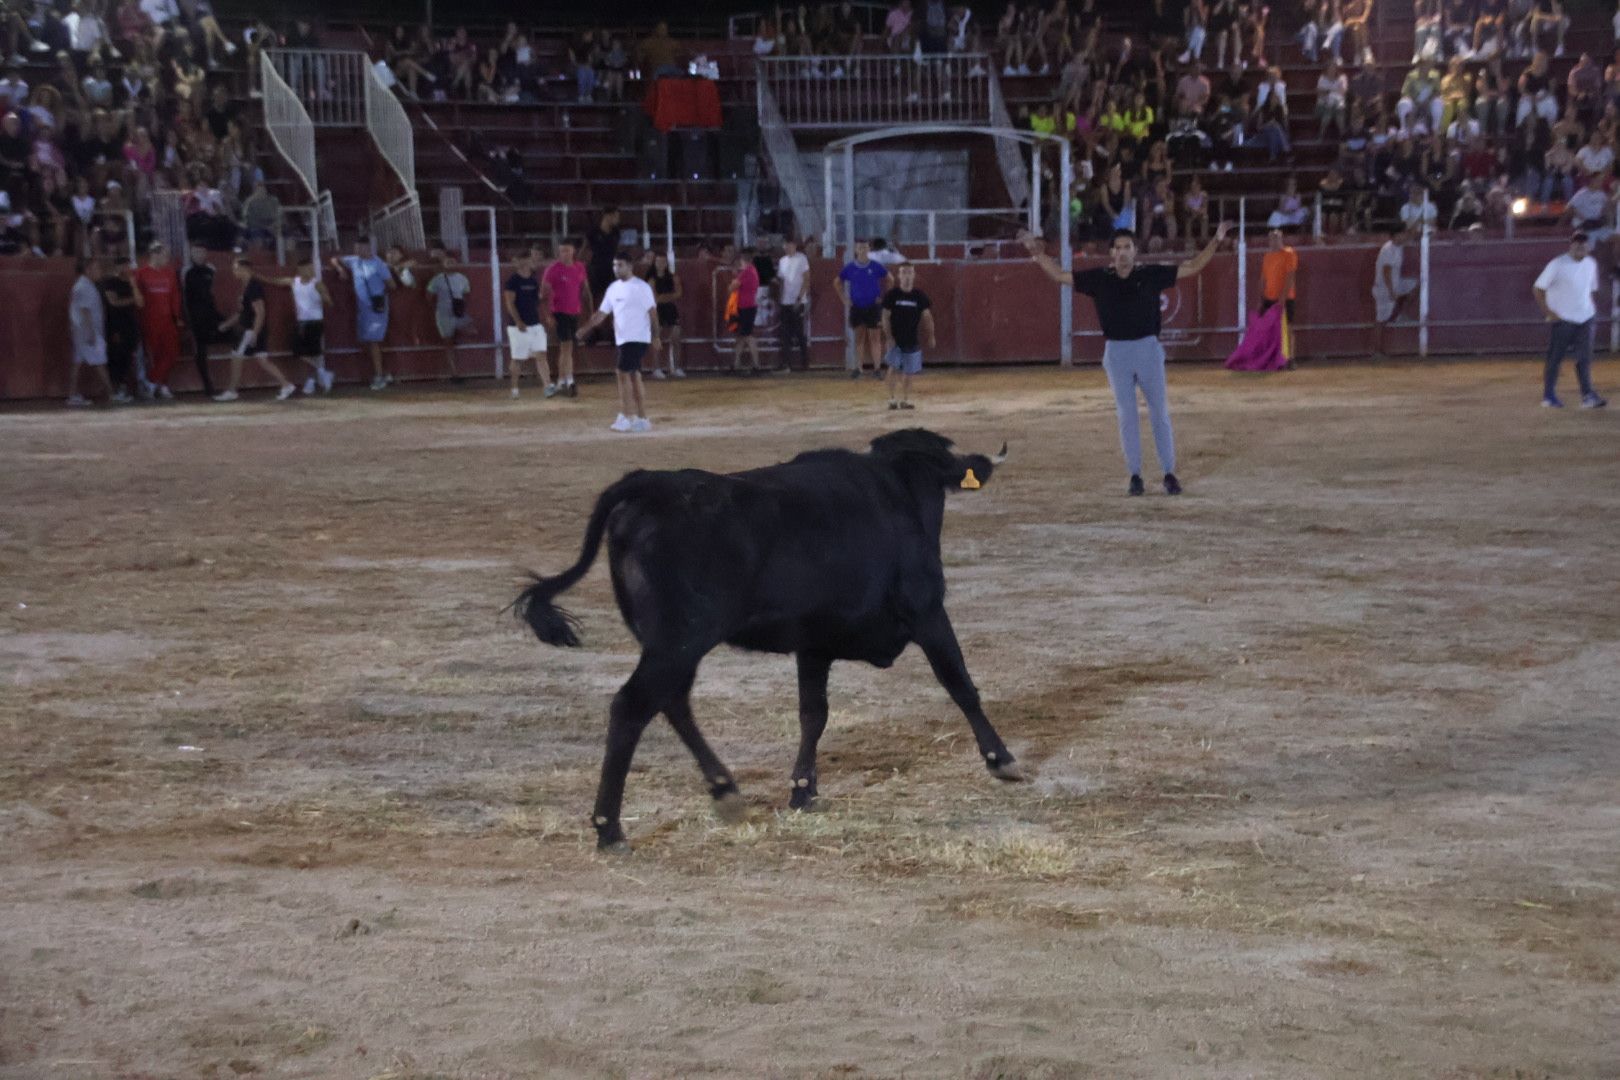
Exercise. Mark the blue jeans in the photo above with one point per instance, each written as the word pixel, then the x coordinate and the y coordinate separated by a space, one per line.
pixel 585 79
pixel 1566 336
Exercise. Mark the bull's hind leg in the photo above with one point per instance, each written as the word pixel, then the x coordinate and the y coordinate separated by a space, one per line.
pixel 728 801
pixel 938 641
pixel 812 722
pixel 650 689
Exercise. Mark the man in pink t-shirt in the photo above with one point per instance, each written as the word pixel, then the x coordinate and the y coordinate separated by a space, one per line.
pixel 746 286
pixel 566 291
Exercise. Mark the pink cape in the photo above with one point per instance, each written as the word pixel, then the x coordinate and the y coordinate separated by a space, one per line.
pixel 1262 346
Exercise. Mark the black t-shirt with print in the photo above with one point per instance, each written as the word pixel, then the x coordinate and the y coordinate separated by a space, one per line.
pixel 905 316
pixel 1127 307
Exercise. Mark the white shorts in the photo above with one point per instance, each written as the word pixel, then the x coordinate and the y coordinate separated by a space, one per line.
pixel 526 343
pixel 1385 303
pixel 92 355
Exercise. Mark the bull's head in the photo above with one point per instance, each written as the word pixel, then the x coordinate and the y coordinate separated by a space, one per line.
pixel 927 454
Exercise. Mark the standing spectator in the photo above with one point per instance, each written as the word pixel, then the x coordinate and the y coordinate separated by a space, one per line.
pixel 666 287
pixel 656 54
pixel 907 323
pixel 1389 289
pixel 1356 14
pixel 87 320
pixel 568 294
pixel 201 312
pixel 372 281
pixel 860 285
pixel 158 289
pixel 1563 292
pixel 525 333
pixel 261 217
pixel 897 28
pixel 630 303
pixel 123 333
pixel 746 287
pixel 793 277
pixel 310 301
pixel 1278 273
pixel 449 289
pixel 601 245
pixel 1332 92
pixel 250 320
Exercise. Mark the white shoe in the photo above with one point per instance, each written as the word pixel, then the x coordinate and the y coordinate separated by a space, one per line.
pixel 122 398
pixel 1558 52
pixel 229 395
pixel 516 393
pixel 77 401
pixel 623 423
pixel 309 386
pixel 658 373
pixel 287 390
pixel 164 392
pixel 230 49
pixel 976 71
pixel 327 379
pixel 380 382
pixel 39 47
pixel 641 423
pixel 1009 71
pixel 680 373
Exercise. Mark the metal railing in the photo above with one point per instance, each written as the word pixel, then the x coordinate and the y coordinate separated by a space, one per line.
pixel 1009 155
pixel 786 163
pixel 871 18
pixel 1003 220
pixel 168 215
pixel 331 83
pixel 400 222
pixel 288 124
pixel 391 129
pixel 875 91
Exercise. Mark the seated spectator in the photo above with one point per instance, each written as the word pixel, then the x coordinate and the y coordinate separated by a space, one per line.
pixel 207 221
pixel 657 56
pixel 1458 24
pixel 583 58
pixel 1595 160
pixel 1420 98
pixel 1226 130
pixel 1455 88
pixel 1367 87
pixel 1192 91
pixel 1536 91
pixel 1557 172
pixel 1491 101
pixel 1356 14
pixel 1334 200
pixel 1195 213
pixel 1272 86
pixel 1547 16
pixel 1590 210
pixel 1271 130
pixel 1490 39
pixel 261 217
pixel 1291 212
pixel 897 28
pixel 1324 26
pixel 1418 212
pixel 1332 92
pixel 615 63
pixel 1428 32
pixel 1585 88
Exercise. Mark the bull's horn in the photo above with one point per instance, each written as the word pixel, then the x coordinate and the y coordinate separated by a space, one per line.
pixel 1001 457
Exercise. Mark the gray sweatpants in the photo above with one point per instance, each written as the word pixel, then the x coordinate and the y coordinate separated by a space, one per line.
pixel 1132 364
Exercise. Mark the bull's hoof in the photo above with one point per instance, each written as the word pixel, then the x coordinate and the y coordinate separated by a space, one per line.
pixel 613 847
pixel 804 799
pixel 731 808
pixel 1010 771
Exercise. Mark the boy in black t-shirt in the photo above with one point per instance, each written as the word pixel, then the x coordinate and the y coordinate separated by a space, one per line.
pixel 906 321
pixel 251 320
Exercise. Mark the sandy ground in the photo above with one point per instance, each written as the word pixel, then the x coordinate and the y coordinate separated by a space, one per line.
pixel 1325 751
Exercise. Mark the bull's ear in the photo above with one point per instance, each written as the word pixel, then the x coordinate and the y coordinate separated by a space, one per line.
pixel 972 472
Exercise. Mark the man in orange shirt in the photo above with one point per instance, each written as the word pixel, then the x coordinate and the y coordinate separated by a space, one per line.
pixel 1277 272
pixel 157 292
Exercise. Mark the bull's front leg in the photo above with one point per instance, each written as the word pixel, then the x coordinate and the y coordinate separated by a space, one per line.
pixel 813 672
pixel 938 641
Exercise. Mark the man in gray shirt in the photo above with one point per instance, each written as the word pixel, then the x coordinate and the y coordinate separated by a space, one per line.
pixel 449 289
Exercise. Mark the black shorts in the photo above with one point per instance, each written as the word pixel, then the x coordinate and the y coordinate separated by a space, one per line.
pixel 869 317
pixel 310 339
pixel 567 327
pixel 745 321
pixel 630 356
pixel 669 315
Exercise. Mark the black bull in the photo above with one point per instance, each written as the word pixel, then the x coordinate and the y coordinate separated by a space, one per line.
pixel 831 556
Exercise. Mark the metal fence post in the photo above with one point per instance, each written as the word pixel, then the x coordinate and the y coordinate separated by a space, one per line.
pixel 1423 290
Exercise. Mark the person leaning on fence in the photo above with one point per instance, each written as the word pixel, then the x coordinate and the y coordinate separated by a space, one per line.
pixel 201 313
pixel 310 301
pixel 1389 289
pixel 860 283
pixel 666 287
pixel 373 280
pixel 1563 292
pixel 449 289
pixel 123 333
pixel 87 320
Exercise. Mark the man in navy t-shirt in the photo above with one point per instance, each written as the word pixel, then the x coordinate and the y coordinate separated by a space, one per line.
pixel 860 283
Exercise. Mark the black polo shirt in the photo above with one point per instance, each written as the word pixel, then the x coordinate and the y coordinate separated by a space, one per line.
pixel 1127 307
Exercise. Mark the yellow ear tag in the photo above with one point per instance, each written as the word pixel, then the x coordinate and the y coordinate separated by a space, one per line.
pixel 971 482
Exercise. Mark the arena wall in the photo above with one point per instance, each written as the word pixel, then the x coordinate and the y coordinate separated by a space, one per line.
pixel 987 312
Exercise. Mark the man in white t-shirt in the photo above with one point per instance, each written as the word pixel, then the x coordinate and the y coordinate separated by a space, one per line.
pixel 1389 289
pixel 793 279
pixel 1564 294
pixel 631 303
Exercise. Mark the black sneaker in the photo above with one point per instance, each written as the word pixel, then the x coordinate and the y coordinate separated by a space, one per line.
pixel 1136 487
pixel 907 405
pixel 855 374
pixel 1172 486
pixel 894 405
pixel 573 389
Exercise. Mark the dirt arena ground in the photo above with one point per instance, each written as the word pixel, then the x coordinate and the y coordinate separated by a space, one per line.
pixel 1325 751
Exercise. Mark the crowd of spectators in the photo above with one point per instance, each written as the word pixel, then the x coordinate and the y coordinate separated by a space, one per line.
pixel 103 104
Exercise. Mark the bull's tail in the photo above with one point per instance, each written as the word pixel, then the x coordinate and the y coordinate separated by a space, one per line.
pixel 534 605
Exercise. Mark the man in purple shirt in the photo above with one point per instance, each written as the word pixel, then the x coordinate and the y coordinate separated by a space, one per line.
pixel 746 286
pixel 860 283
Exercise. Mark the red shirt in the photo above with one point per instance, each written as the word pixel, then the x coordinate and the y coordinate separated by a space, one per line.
pixel 566 284
pixel 748 287
pixel 160 291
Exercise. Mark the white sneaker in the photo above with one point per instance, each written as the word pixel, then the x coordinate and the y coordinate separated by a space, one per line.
pixel 641 423
pixel 309 386
pixel 658 373
pixel 229 395
pixel 1009 71
pixel 230 48
pixel 380 382
pixel 77 401
pixel 327 379
pixel 122 398
pixel 516 393
pixel 1558 52
pixel 680 373
pixel 287 390
pixel 623 423
pixel 164 392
